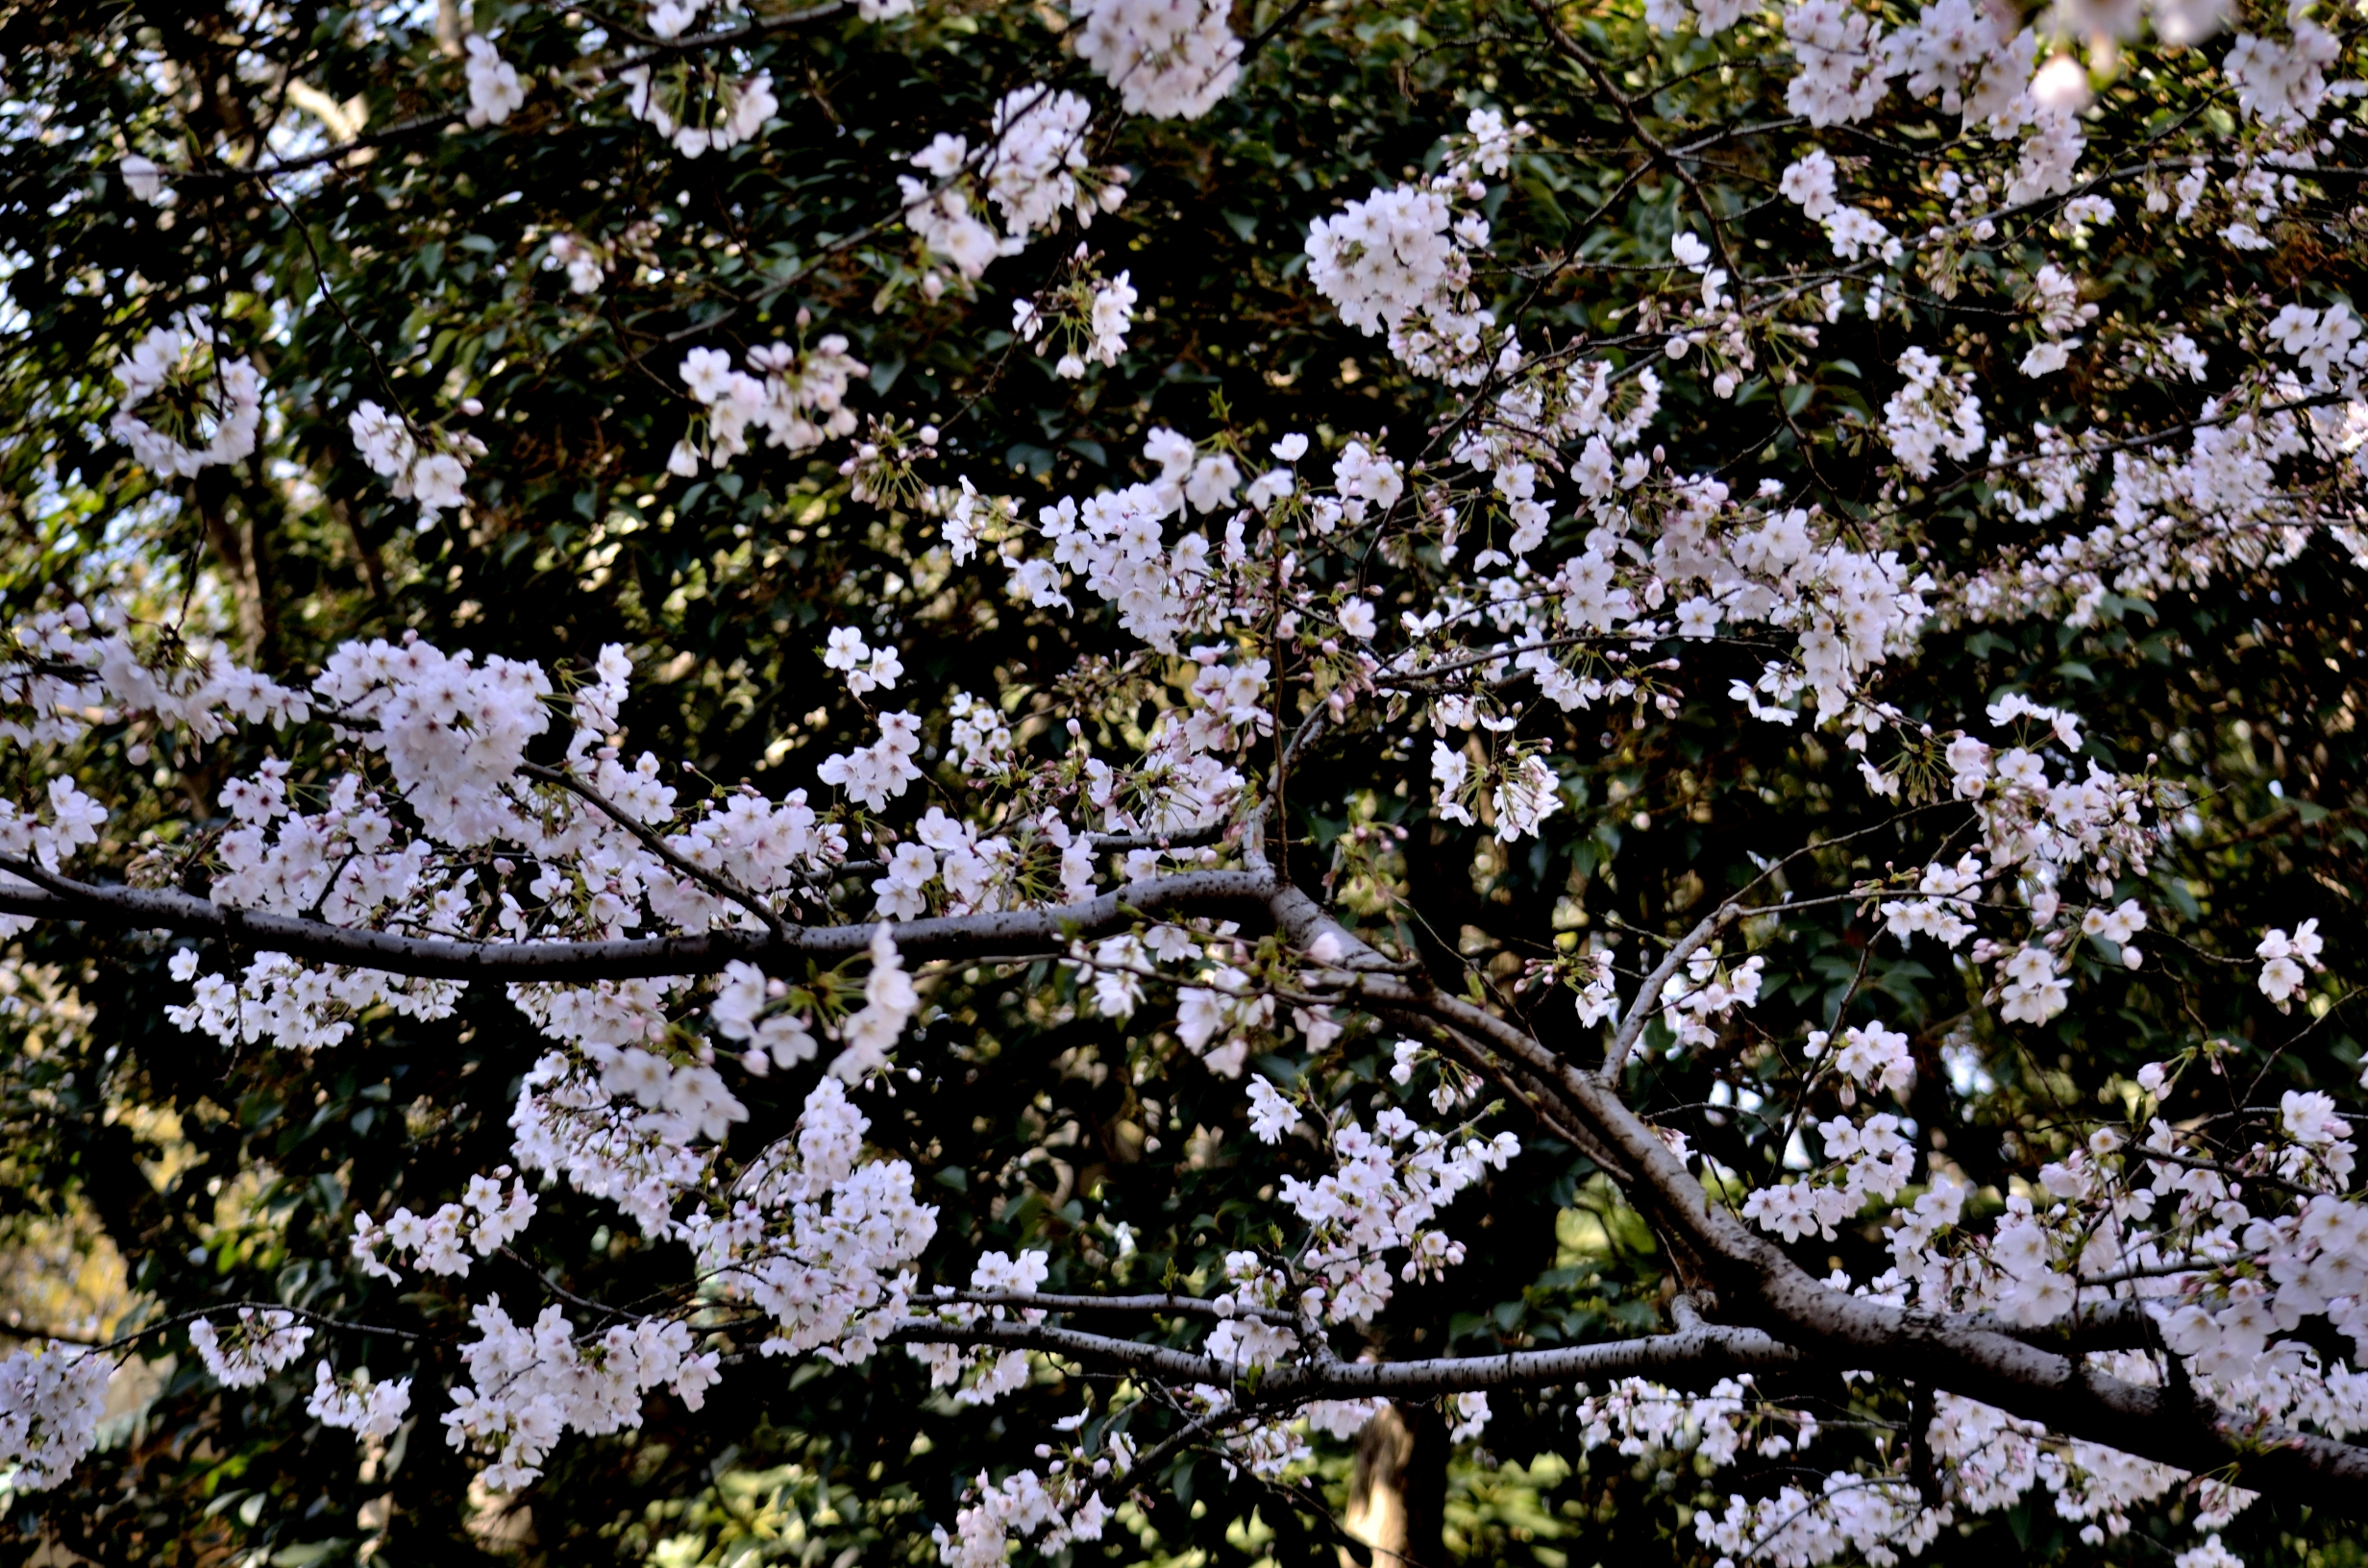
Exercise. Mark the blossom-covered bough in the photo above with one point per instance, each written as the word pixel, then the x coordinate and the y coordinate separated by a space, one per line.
pixel 1648 486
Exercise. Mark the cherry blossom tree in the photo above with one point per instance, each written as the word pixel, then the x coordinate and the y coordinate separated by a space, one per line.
pixel 1103 718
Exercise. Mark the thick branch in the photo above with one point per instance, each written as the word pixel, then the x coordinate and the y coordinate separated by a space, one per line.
pixel 2111 1325
pixel 1974 1356
pixel 1757 1280
pixel 1230 894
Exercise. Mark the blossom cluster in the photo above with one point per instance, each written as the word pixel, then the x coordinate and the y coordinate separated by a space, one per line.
pixel 2288 961
pixel 697 110
pixel 531 1384
pixel 821 1239
pixel 2326 343
pixel 1707 991
pixel 80 667
pixel 368 1410
pixel 798 395
pixel 205 406
pixel 68 821
pixel 484 1221
pixel 1057 1510
pixel 1399 261
pixel 884 770
pixel 1391 1184
pixel 432 476
pixel 579 259
pixel 257 1344
pixel 1168 59
pixel 867 669
pixel 1115 543
pixel 1088 317
pixel 985 1374
pixel 1030 169
pixel 1932 413
pixel 51 1399
pixel 2283 81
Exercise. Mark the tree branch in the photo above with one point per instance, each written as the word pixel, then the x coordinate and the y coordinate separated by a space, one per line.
pixel 1709 1351
pixel 1163 1302
pixel 1232 895
pixel 1969 1356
